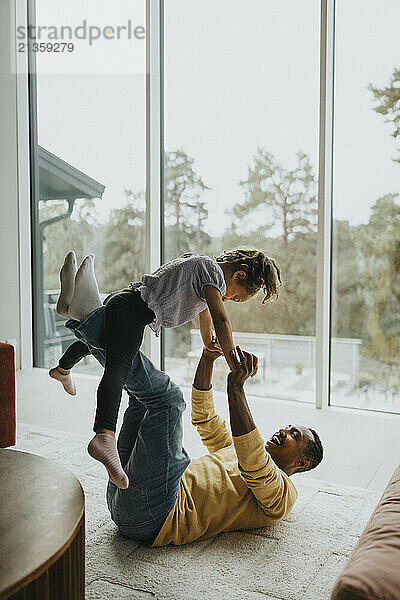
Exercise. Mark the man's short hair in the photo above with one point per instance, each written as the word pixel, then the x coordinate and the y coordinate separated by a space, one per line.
pixel 314 452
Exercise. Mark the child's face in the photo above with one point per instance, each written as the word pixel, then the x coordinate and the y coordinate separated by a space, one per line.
pixel 235 289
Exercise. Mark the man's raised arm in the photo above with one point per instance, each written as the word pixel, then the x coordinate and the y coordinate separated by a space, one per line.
pixel 211 428
pixel 271 487
pixel 240 416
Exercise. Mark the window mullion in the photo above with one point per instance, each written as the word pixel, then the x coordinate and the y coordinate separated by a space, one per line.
pixel 325 179
pixel 154 148
pixel 24 208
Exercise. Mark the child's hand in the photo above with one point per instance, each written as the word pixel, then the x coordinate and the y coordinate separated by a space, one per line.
pixel 213 348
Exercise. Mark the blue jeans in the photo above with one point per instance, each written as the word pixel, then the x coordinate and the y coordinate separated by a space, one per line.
pixel 149 443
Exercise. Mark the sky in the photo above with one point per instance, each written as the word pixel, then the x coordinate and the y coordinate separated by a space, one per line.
pixel 238 74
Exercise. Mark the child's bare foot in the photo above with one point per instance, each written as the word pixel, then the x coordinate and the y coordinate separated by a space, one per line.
pixel 67 279
pixel 103 447
pixel 65 379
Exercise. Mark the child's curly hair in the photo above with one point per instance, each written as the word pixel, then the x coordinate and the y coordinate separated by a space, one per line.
pixel 262 272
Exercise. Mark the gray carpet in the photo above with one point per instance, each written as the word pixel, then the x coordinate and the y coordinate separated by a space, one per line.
pixel 298 558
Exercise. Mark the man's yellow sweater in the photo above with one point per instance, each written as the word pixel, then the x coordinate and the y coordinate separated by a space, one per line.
pixel 236 486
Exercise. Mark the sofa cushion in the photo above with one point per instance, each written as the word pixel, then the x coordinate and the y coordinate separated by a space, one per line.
pixel 373 569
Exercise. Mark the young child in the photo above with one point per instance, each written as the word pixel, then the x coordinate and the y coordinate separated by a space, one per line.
pixel 189 286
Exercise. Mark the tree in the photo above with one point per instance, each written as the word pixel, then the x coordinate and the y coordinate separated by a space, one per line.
pixel 347 303
pixel 185 216
pixel 278 216
pixel 379 244
pixel 185 209
pixel 124 255
pixel 285 198
pixel 388 103
pixel 74 233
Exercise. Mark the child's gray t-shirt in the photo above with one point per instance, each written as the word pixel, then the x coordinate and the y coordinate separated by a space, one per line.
pixel 175 291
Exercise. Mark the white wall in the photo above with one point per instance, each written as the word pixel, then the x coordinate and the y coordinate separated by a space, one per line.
pixel 15 322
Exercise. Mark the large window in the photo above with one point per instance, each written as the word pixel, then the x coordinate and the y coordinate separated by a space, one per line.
pixel 241 146
pixel 90 157
pixel 365 363
pixel 227 128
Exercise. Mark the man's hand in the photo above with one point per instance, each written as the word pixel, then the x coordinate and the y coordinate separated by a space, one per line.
pixel 245 367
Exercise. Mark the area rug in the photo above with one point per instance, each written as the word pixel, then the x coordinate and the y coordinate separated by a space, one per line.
pixel 297 558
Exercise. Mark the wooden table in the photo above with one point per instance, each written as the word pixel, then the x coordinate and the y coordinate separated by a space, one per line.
pixel 42 529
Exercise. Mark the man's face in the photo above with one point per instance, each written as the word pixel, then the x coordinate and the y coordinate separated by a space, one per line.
pixel 287 448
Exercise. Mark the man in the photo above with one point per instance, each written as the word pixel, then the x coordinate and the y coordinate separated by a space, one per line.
pixel 242 483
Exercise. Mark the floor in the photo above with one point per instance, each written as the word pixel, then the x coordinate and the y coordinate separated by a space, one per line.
pixel 298 558
pixel 362 449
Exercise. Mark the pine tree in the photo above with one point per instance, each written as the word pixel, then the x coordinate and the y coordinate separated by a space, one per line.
pixel 388 103
pixel 283 198
pixel 185 208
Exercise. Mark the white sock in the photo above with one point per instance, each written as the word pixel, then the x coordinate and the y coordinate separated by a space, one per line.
pixel 86 296
pixel 67 279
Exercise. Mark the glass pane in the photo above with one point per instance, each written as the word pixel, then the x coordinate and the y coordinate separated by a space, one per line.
pixel 91 155
pixel 241 119
pixel 366 228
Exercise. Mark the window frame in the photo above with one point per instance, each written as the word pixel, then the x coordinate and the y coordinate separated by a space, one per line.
pixel 155 181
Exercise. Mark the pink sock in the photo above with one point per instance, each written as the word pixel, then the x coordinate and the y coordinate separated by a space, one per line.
pixel 103 447
pixel 65 379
